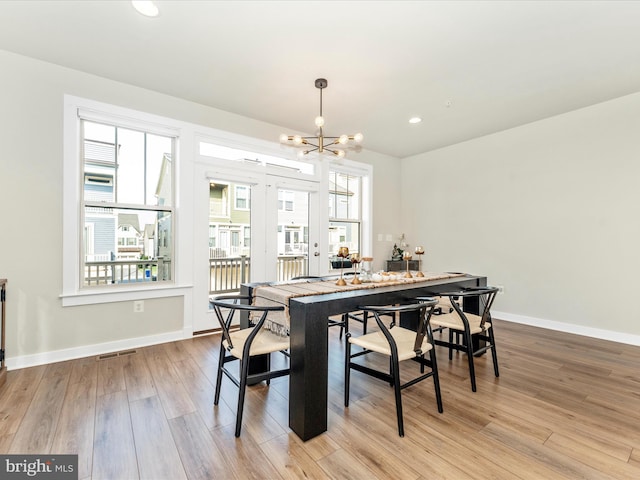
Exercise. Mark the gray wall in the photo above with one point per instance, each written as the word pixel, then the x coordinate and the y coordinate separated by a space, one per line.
pixel 550 210
pixel 31 122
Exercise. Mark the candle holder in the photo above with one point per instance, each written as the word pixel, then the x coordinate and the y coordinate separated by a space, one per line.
pixel 419 251
pixel 365 268
pixel 355 260
pixel 407 256
pixel 343 252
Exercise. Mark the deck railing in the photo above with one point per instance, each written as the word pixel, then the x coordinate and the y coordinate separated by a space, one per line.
pixel 126 271
pixel 227 274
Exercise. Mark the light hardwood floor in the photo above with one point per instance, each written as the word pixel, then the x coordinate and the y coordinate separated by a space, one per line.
pixel 564 407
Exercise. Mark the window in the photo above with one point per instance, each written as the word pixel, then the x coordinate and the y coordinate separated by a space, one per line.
pixel 212 236
pixel 243 201
pixel 247 237
pixel 285 200
pixel 344 212
pixel 128 199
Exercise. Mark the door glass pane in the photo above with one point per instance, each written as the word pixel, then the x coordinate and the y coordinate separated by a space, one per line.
pixel 292 231
pixel 229 236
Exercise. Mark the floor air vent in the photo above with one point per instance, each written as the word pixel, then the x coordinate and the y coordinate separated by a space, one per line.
pixel 124 353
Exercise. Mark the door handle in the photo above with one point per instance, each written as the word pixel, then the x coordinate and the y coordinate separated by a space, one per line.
pixel 316 254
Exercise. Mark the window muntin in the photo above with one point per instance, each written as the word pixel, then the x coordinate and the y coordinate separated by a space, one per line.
pixel 127 200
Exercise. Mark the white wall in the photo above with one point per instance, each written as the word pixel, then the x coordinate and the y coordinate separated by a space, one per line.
pixel 550 210
pixel 39 329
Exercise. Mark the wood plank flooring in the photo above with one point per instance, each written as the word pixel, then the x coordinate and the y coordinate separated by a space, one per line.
pixel 564 407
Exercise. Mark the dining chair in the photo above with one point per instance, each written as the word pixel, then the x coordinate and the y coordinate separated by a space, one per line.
pixel 245 343
pixel 398 344
pixel 468 326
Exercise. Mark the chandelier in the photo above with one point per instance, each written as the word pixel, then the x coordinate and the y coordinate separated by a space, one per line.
pixel 320 142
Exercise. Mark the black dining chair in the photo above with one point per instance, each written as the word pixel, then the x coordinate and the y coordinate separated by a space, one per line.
pixel 245 343
pixel 468 328
pixel 399 344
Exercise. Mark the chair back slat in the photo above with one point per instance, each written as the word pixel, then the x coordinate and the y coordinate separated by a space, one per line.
pixel 486 295
pixel 233 304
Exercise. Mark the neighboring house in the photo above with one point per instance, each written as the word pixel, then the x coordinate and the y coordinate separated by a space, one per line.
pixel 164 222
pixel 112 236
pixel 130 241
pixel 230 221
pixel 100 223
pixel 293 220
pixel 148 239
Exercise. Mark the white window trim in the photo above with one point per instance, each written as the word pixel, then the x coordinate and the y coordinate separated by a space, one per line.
pixel 187 160
pixel 350 167
pixel 72 293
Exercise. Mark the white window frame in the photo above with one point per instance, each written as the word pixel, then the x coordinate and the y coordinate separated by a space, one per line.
pixel 73 182
pixel 365 172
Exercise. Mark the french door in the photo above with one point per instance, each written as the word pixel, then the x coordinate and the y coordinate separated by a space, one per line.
pixel 293 232
pixel 252 226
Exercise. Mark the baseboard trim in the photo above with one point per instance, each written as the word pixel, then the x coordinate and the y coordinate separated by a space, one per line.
pixel 620 337
pixel 25 361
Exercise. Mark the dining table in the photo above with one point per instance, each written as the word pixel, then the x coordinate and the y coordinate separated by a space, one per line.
pixel 308 308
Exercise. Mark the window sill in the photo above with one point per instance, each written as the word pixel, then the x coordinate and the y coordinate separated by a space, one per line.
pixel 122 294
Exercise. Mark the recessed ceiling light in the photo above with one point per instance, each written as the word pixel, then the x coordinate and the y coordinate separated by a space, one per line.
pixel 145 7
pixel 415 120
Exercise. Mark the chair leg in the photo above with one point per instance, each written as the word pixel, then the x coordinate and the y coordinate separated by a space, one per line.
pixel 216 397
pixel 450 342
pixel 268 362
pixel 244 372
pixel 472 372
pixel 344 322
pixel 494 354
pixel 395 372
pixel 436 378
pixel 347 372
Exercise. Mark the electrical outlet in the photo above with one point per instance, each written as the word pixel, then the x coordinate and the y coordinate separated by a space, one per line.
pixel 500 289
pixel 138 306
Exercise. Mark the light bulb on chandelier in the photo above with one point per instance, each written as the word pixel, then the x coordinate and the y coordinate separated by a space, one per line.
pixel 320 143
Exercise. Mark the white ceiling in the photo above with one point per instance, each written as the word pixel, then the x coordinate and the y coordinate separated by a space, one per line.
pixel 468 68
